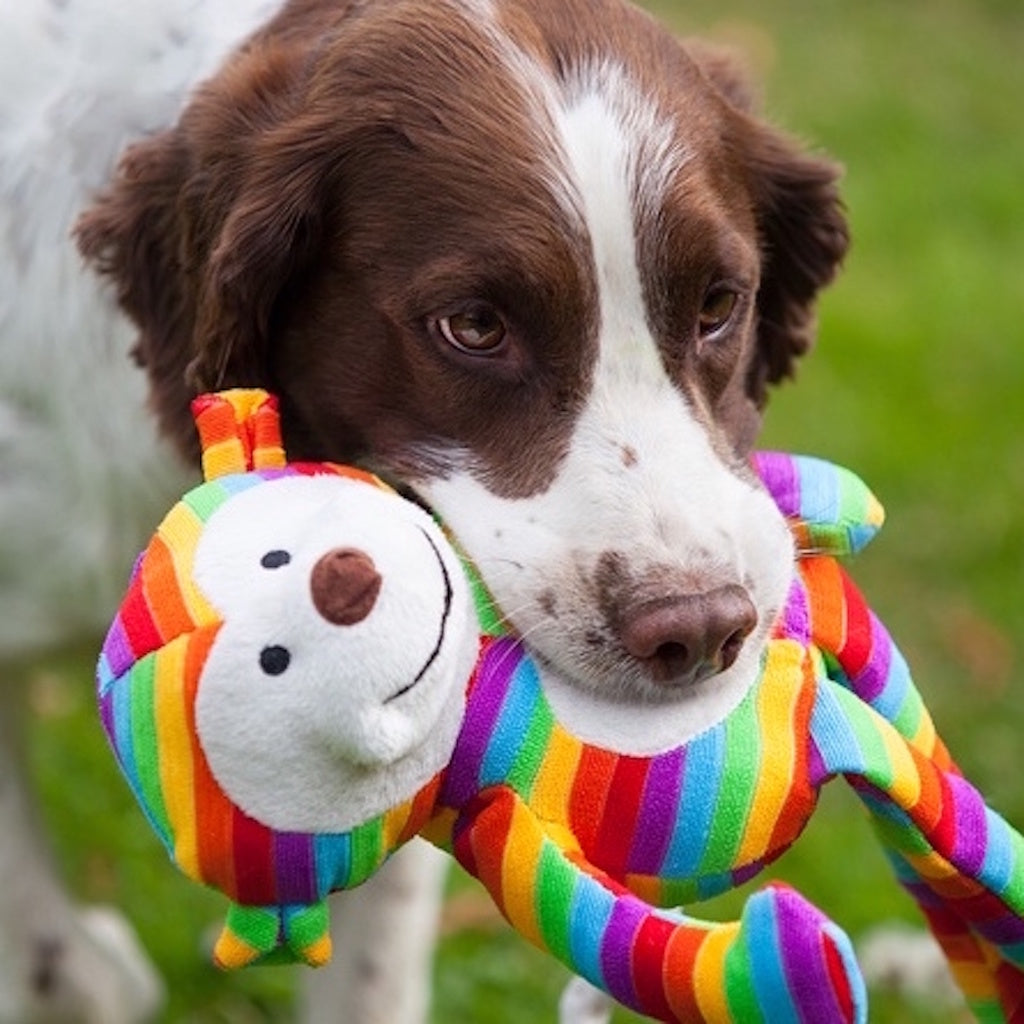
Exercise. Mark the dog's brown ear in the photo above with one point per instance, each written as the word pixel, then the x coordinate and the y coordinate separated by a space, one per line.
pixel 804 236
pixel 133 234
pixel 203 229
pixel 802 225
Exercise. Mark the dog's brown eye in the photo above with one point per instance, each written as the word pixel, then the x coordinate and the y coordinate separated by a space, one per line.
pixel 476 331
pixel 716 312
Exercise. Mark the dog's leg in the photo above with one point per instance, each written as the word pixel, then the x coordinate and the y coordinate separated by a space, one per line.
pixel 384 935
pixel 582 1003
pixel 57 962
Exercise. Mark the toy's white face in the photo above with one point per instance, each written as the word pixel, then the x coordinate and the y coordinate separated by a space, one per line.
pixel 333 690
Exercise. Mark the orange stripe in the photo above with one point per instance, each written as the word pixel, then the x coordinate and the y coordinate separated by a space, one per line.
pixel 213 811
pixel 681 956
pixel 163 596
pixel 823 579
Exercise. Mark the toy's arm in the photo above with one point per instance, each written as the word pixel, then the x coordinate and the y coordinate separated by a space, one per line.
pixel 783 963
pixel 961 862
pixel 861 654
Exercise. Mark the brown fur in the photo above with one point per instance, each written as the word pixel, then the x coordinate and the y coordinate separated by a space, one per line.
pixel 358 167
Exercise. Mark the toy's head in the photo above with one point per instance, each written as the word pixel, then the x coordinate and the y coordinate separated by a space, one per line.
pixel 266 642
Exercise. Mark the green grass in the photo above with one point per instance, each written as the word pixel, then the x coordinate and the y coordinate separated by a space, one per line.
pixel 917 383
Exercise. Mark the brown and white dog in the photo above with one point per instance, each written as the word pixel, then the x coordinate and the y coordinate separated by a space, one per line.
pixel 535 260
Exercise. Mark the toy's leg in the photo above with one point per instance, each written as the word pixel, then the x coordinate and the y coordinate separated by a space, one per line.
pixel 384 934
pixel 57 962
pixel 784 962
pixel 961 862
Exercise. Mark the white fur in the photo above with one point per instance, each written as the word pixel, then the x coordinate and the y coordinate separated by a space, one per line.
pixel 83 476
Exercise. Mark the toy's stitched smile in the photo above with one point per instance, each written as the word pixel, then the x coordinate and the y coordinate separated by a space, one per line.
pixel 442 626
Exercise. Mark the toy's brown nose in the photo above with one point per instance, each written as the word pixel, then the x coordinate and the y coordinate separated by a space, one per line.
pixel 684 638
pixel 345 584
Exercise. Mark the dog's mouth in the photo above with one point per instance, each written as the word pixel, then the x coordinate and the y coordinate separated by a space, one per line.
pixel 443 621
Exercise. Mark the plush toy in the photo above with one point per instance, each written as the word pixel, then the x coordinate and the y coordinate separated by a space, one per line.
pixel 297 683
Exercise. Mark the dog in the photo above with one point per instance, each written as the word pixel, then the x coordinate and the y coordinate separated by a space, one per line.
pixel 535 261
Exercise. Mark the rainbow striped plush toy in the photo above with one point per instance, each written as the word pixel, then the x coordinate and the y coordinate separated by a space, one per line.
pixel 296 684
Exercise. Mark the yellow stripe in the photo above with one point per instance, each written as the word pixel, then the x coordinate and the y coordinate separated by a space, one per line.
pixel 181 530
pixel 709 972
pixel 177 779
pixel 519 865
pixel 905 787
pixel 775 715
pixel 552 787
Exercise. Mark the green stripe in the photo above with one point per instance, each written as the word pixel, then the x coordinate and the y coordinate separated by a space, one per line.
pixel 205 499
pixel 367 843
pixel 556 883
pixel 532 750
pixel 145 745
pixel 739 984
pixel 742 756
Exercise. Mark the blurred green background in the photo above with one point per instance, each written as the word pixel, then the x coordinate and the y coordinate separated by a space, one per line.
pixel 916 383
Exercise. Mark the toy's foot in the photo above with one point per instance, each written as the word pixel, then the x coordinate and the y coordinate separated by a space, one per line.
pixel 274 934
pixel 794 963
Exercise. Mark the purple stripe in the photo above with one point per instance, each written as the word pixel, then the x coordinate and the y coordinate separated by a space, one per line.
pixel 796 616
pixel 659 810
pixel 1003 931
pixel 620 934
pixel 799 932
pixel 871 681
pixel 972 838
pixel 118 649
pixel 106 703
pixel 295 867
pixel 779 474
pixel 489 692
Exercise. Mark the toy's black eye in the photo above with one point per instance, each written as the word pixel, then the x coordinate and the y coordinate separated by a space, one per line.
pixel 275 660
pixel 275 559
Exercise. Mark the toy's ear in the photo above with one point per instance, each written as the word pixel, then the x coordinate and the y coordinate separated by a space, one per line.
pixel 239 431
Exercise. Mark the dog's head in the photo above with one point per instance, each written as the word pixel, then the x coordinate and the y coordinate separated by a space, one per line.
pixel 535 259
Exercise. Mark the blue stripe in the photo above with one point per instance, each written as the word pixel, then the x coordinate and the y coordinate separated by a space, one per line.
pixel 761 938
pixel 702 775
pixel 589 914
pixel 512 726
pixel 332 856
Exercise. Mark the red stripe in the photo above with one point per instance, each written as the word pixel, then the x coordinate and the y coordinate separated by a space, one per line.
pixel 480 847
pixel 594 773
pixel 253 851
pixel 139 627
pixel 838 979
pixel 856 650
pixel 621 810
pixel 648 966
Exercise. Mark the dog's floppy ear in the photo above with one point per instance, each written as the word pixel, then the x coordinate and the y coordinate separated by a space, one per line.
pixel 804 237
pixel 133 235
pixel 203 229
pixel 802 225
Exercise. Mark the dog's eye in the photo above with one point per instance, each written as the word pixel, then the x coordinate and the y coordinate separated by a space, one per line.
pixel 478 331
pixel 719 305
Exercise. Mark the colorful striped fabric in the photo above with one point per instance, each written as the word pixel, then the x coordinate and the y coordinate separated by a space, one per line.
pixel 578 845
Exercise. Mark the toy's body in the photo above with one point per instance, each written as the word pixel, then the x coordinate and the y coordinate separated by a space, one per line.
pixel 281 763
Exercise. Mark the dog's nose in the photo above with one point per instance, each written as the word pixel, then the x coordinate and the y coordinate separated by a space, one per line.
pixel 685 638
pixel 345 584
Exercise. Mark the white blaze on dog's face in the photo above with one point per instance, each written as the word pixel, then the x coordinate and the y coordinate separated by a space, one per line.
pixel 535 259
pixel 649 501
pixel 332 691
